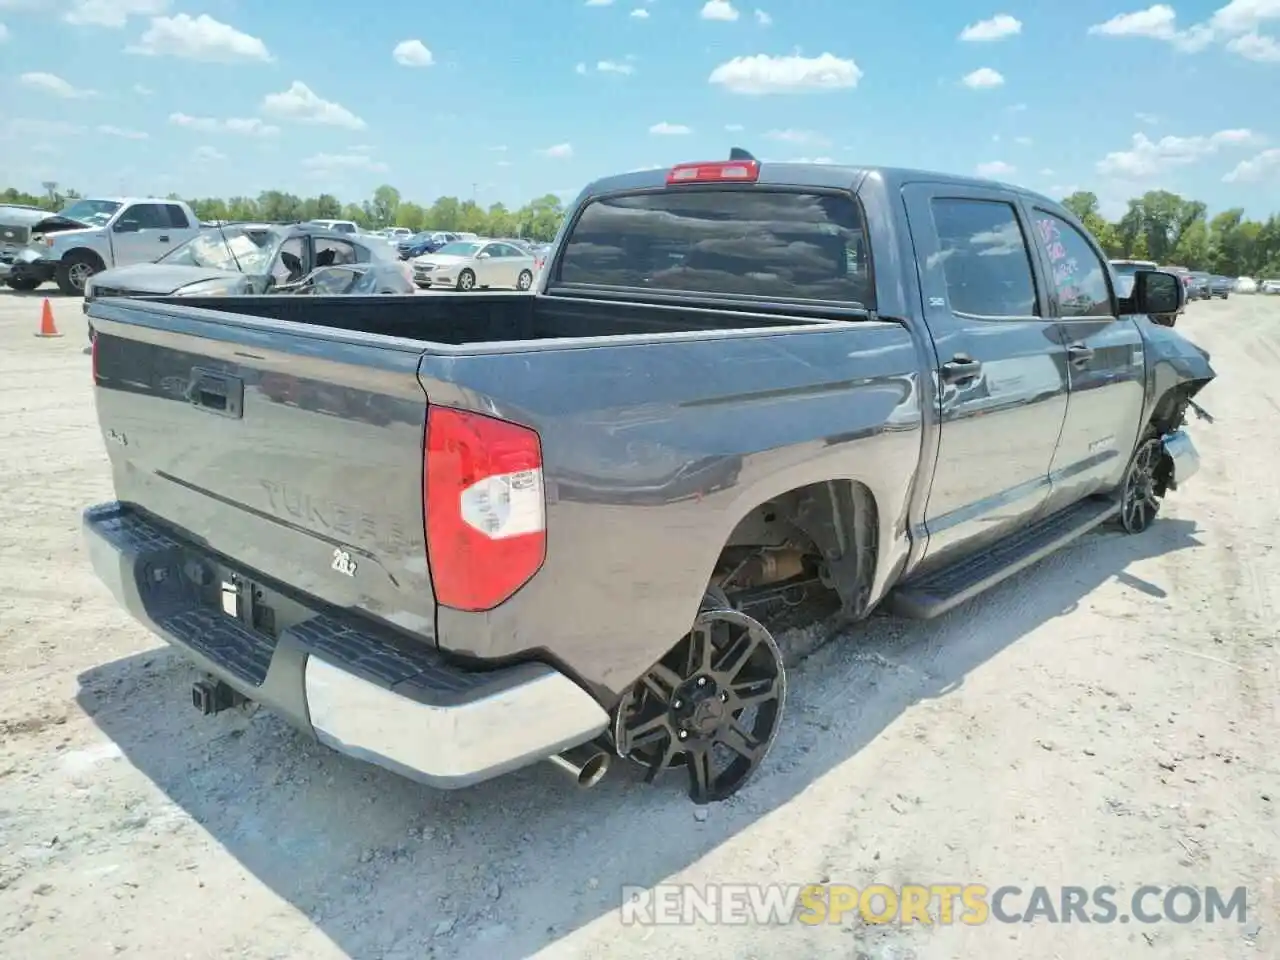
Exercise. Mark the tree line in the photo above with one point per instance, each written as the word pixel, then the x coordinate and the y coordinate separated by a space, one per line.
pixel 1159 225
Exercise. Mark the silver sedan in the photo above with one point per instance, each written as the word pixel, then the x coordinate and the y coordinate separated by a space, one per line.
pixel 468 264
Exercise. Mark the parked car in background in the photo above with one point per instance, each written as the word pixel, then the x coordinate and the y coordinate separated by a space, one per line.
pixel 338 226
pixel 1198 288
pixel 90 236
pixel 241 260
pixel 384 277
pixel 1245 285
pixel 1124 271
pixel 428 241
pixel 1220 287
pixel 468 264
pixel 1271 287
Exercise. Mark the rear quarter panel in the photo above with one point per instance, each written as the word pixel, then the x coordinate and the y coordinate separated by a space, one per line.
pixel 654 451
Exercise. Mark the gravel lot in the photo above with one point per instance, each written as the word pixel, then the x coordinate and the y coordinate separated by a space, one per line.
pixel 1109 716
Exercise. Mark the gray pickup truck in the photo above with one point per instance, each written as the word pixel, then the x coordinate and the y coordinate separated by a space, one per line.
pixel 458 534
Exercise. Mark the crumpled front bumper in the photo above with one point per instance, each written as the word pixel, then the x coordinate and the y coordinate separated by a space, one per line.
pixel 398 704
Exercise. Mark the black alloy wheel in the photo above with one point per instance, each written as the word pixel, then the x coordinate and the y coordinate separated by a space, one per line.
pixel 713 705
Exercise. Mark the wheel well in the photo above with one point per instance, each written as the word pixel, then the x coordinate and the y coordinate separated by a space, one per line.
pixel 1170 409
pixel 828 529
pixel 84 253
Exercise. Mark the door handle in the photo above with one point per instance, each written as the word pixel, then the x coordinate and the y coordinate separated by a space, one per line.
pixel 163 239
pixel 960 368
pixel 1079 354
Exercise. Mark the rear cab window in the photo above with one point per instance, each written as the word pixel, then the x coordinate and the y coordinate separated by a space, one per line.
pixel 745 242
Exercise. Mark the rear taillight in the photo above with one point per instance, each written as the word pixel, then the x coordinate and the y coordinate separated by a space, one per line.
pixel 484 505
pixel 718 171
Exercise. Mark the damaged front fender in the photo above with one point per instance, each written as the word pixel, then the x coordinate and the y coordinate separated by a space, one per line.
pixel 1177 370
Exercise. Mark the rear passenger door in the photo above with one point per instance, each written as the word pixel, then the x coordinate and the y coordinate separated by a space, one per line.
pixel 1002 377
pixel 1105 362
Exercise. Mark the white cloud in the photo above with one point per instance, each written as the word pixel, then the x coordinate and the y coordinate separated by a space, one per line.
pixel 734 127
pixel 110 131
pixel 984 78
pixel 1147 157
pixel 640 13
pixel 327 163
pixel 665 129
pixel 1150 119
pixel 721 10
pixel 207 155
pixel 142 90
pixel 1235 24
pixel 798 136
pixel 4 33
pixel 54 86
pixel 112 13
pixel 412 53
pixel 1244 16
pixel 999 27
pixel 599 3
pixel 1255 46
pixel 614 66
pixel 198 38
pixel 580 69
pixel 763 74
pixel 248 126
pixel 763 19
pixel 1157 22
pixel 561 151
pixel 1265 165
pixel 995 168
pixel 301 105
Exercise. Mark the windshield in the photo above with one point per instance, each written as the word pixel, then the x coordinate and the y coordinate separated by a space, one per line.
pixel 93 212
pixel 458 249
pixel 211 251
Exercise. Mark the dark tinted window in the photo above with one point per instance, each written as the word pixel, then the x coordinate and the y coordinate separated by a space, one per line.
pixel 1079 275
pixel 176 216
pixel 788 246
pixel 148 216
pixel 985 258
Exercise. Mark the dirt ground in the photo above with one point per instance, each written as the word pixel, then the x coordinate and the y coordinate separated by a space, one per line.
pixel 1108 717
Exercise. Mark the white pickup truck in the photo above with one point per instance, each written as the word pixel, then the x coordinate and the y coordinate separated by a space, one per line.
pixel 89 236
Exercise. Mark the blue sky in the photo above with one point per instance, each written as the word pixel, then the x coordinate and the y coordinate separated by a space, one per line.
pixel 505 101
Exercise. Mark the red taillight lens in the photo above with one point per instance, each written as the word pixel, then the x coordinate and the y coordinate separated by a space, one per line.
pixel 720 171
pixel 485 508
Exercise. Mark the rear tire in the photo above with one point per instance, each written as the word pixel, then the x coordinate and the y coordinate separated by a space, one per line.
pixel 525 280
pixel 466 280
pixel 22 284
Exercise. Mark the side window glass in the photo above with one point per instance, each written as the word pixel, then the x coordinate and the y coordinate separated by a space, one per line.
pixel 1079 276
pixel 331 253
pixel 985 259
pixel 151 216
pixel 288 265
pixel 177 217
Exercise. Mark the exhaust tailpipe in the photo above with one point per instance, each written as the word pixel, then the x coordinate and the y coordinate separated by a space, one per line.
pixel 587 764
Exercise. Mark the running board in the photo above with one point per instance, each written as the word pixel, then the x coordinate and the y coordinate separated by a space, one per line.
pixel 936 593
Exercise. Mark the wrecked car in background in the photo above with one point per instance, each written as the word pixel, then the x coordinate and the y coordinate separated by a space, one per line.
pixel 249 259
pixel 93 235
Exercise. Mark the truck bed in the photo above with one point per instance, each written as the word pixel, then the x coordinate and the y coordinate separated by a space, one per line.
pixel 460 319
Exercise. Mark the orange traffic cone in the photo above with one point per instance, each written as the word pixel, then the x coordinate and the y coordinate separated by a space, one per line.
pixel 47 327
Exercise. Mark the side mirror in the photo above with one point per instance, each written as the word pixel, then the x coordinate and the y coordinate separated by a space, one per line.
pixel 1157 293
pixel 127 226
pixel 484 255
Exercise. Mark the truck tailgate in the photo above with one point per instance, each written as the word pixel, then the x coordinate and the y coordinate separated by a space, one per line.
pixel 292 451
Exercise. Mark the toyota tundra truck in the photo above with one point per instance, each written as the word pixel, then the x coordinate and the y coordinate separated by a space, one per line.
pixel 457 535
